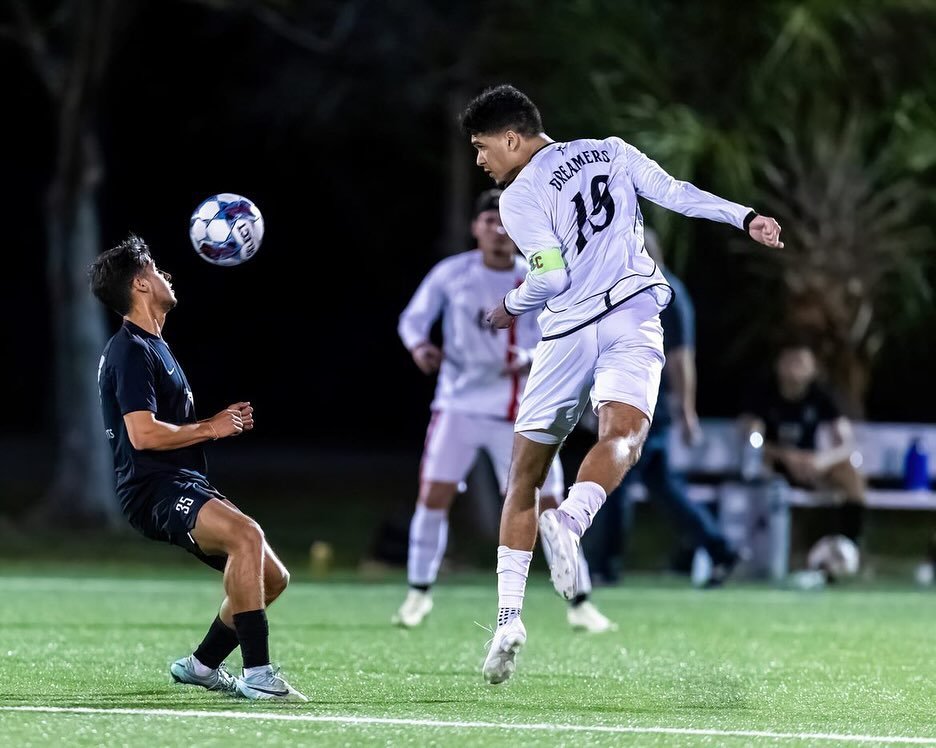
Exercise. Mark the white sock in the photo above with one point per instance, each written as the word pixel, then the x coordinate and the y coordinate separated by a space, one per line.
pixel 248 671
pixel 512 570
pixel 201 670
pixel 428 536
pixel 582 504
pixel 583 585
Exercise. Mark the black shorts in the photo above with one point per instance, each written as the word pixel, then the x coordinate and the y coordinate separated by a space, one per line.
pixel 169 513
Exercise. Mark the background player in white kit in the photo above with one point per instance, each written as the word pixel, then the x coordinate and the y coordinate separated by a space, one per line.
pixel 572 210
pixel 482 372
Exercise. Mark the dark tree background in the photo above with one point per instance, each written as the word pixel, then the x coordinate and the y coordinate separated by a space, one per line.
pixel 338 120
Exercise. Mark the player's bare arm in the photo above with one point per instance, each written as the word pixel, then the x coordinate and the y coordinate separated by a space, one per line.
pixel 146 432
pixel 843 444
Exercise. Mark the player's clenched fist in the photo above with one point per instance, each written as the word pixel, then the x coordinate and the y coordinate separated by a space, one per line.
pixel 226 423
pixel 765 230
pixel 246 414
pixel 499 318
pixel 427 357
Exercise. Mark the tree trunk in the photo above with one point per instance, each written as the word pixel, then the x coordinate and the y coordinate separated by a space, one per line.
pixel 82 488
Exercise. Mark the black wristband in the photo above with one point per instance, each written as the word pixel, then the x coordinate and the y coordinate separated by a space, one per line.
pixel 510 313
pixel 747 220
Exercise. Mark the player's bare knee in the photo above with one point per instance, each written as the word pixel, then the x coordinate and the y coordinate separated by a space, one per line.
pixel 437 495
pixel 247 537
pixel 846 478
pixel 626 447
pixel 276 583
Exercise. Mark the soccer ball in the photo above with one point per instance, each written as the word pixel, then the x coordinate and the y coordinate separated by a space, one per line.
pixel 836 555
pixel 226 229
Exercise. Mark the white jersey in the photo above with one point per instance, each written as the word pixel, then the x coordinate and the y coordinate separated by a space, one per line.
pixel 580 199
pixel 471 379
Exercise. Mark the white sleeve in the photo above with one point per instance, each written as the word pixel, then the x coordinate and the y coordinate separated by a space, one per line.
pixel 528 225
pixel 653 183
pixel 423 309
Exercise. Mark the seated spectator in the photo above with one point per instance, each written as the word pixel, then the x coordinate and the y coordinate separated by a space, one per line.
pixel 788 411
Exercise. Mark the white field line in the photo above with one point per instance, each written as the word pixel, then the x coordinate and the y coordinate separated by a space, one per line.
pixel 443 724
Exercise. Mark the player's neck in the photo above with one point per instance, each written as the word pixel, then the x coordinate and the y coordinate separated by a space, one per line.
pixel 148 319
pixel 496 263
pixel 528 149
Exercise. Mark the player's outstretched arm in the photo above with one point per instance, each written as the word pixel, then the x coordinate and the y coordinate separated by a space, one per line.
pixel 765 230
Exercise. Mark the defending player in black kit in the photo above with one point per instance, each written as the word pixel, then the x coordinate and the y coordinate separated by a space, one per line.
pixel 150 422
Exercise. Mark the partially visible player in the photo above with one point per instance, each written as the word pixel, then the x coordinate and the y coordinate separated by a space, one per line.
pixel 162 484
pixel 482 372
pixel 572 210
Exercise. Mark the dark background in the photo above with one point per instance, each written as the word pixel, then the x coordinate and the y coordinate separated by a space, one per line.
pixel 353 204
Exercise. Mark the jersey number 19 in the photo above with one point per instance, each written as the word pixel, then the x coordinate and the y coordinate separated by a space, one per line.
pixel 601 204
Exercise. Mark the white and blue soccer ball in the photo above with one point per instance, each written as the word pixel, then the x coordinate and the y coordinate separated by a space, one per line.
pixel 226 229
pixel 836 555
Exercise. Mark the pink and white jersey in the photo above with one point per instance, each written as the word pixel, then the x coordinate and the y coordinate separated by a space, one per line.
pixel 579 200
pixel 462 288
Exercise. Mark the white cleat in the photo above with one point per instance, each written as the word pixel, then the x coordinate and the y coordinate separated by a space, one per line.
pixel 415 608
pixel 586 617
pixel 561 548
pixel 183 671
pixel 508 640
pixel 267 685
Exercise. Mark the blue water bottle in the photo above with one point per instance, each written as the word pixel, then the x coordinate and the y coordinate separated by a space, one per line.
pixel 916 467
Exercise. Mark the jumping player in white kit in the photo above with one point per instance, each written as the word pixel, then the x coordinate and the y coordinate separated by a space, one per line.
pixel 482 372
pixel 571 208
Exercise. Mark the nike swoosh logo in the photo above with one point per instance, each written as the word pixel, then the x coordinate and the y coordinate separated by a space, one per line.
pixel 171 371
pixel 266 690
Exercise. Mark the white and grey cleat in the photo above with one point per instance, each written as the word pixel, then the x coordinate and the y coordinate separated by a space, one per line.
pixel 586 617
pixel 183 671
pixel 561 548
pixel 500 662
pixel 267 685
pixel 415 608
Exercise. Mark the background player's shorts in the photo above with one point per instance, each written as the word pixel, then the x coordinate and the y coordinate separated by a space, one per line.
pixel 454 439
pixel 169 515
pixel 618 359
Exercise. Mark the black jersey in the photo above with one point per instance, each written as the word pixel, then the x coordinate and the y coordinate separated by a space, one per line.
pixel 792 423
pixel 138 372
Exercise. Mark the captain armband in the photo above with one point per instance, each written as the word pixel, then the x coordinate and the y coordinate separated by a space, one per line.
pixel 546 260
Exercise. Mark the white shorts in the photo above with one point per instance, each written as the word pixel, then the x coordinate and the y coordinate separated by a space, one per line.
pixel 617 359
pixel 454 439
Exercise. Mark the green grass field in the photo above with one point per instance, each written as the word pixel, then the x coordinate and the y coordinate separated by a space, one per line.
pixel 739 666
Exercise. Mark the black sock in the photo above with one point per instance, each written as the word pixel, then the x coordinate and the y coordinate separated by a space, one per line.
pixel 580 598
pixel 218 643
pixel 253 633
pixel 851 519
pixel 420 587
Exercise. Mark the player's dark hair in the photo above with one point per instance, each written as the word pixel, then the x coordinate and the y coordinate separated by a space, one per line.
pixel 113 271
pixel 487 200
pixel 501 108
